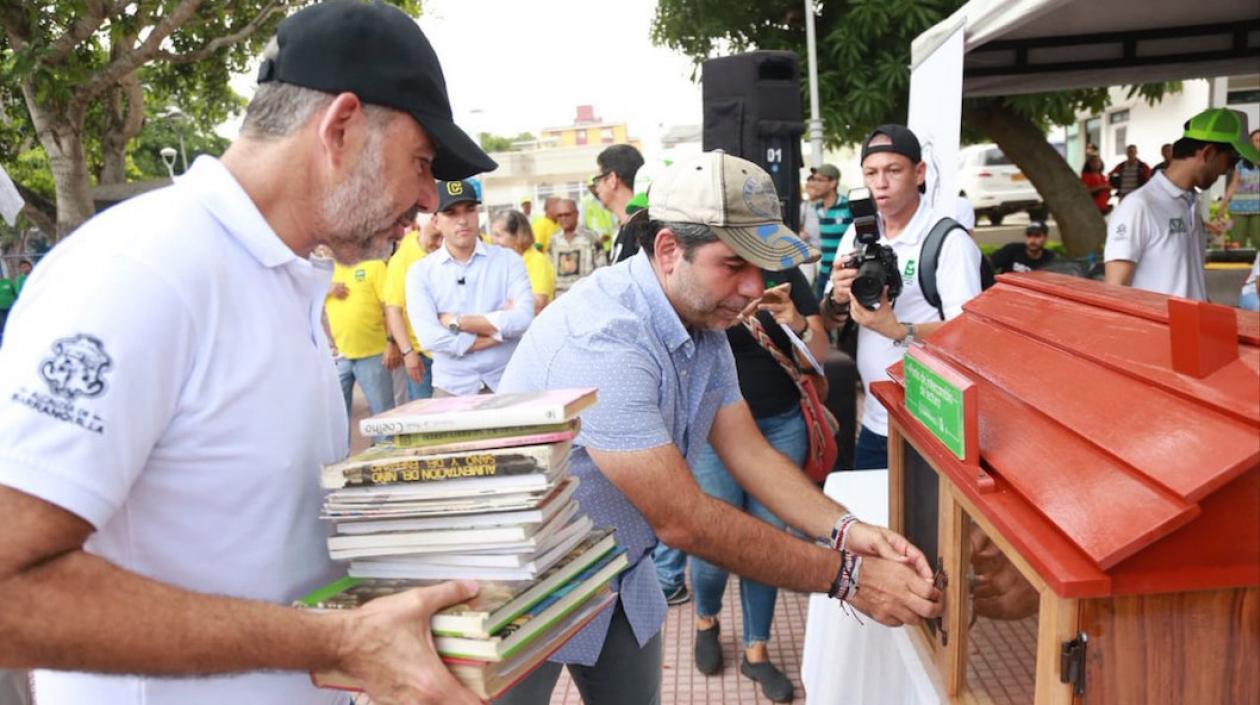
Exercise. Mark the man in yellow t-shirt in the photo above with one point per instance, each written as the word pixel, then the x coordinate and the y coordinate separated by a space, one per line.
pixel 356 320
pixel 417 362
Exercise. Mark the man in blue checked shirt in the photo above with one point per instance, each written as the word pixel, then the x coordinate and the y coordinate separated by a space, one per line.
pixel 649 334
pixel 468 301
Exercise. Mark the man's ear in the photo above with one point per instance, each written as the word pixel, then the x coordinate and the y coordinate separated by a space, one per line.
pixel 339 127
pixel 666 250
pixel 920 173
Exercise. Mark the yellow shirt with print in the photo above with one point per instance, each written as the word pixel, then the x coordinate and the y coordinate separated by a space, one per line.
pixel 408 253
pixel 542 274
pixel 357 322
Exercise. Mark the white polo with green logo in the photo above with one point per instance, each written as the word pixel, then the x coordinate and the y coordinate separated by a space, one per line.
pixel 1159 229
pixel 957 280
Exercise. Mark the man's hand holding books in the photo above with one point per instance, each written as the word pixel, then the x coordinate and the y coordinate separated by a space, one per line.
pixel 387 645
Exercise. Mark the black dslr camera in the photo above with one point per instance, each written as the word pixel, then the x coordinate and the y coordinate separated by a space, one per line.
pixel 876 263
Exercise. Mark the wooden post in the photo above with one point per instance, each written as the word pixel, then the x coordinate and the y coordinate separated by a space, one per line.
pixel 896 479
pixel 1058 621
pixel 955 546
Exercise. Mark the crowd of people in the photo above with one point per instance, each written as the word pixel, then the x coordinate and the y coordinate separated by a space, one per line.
pixel 158 462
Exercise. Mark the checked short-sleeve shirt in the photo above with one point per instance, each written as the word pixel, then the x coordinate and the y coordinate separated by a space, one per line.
pixel 658 383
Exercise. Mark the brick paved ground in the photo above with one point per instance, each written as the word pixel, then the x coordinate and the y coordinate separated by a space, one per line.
pixel 682 684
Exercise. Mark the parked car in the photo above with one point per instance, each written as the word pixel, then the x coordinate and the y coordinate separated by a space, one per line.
pixel 995 186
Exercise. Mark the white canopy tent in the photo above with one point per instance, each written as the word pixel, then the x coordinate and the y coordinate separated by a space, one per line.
pixel 1033 46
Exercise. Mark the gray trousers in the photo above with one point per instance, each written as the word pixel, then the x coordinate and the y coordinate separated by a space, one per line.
pixel 15 688
pixel 623 675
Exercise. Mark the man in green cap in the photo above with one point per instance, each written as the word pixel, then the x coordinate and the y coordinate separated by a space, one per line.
pixel 1156 239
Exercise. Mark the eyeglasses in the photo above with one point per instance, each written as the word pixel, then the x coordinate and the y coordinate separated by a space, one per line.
pixel 599 177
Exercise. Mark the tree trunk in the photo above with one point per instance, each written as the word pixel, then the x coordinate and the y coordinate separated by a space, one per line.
pixel 69 170
pixel 1080 224
pixel 61 134
pixel 124 118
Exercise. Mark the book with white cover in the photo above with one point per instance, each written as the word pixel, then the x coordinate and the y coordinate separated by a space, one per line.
pixel 528 549
pixel 446 567
pixel 526 538
pixel 479 411
pixel 552 504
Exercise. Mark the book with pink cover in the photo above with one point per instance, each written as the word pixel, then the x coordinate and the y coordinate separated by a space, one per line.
pixel 480 411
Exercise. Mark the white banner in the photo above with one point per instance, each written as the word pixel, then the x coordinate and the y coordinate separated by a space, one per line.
pixel 936 118
pixel 10 200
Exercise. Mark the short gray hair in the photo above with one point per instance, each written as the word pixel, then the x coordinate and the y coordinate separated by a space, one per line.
pixel 690 236
pixel 280 109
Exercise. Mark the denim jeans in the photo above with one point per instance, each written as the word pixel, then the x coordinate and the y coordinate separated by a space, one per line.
pixel 375 381
pixel 1248 301
pixel 671 563
pixel 787 433
pixel 424 390
pixel 871 452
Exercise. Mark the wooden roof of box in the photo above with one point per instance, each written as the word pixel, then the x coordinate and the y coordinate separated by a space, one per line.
pixel 1121 429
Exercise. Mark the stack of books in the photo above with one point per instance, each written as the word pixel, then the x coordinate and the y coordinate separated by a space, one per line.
pixel 473 488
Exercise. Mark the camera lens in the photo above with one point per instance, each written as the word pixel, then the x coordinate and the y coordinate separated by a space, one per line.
pixel 869 284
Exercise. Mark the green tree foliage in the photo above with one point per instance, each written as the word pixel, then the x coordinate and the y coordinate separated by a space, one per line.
pixel 84 79
pixel 497 143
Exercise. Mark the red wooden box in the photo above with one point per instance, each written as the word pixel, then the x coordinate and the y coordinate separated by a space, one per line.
pixel 1118 472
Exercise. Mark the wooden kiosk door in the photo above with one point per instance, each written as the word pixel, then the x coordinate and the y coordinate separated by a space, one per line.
pixel 980 660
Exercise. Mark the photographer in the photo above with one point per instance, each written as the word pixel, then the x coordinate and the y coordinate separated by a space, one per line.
pixel 893 171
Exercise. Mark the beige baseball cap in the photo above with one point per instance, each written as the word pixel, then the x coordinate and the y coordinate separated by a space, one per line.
pixel 737 200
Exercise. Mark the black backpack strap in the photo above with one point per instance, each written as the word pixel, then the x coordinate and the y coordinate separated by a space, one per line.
pixel 930 257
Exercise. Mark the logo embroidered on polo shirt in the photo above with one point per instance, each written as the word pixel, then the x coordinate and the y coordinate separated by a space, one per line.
pixel 1176 225
pixel 76 369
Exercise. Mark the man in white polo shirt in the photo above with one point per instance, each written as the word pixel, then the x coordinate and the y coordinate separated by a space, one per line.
pixel 893 170
pixel 1156 239
pixel 168 397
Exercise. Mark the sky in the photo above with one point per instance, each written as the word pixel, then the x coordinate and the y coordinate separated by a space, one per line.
pixel 524 66
pixel 514 66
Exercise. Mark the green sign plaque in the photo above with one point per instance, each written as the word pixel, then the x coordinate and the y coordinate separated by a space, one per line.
pixel 937 404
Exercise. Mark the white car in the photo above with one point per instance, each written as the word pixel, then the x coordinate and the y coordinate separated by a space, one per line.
pixel 994 185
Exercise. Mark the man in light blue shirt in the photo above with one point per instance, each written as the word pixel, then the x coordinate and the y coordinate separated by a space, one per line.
pixel 649 334
pixel 468 301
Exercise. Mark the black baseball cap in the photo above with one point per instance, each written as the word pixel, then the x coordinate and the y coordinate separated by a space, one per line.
pixel 378 53
pixel 1036 227
pixel 452 192
pixel 903 142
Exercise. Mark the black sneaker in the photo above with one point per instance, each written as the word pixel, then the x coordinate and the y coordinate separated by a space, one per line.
pixel 678 596
pixel 774 684
pixel 708 650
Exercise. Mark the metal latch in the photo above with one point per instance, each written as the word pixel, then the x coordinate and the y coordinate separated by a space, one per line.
pixel 1072 663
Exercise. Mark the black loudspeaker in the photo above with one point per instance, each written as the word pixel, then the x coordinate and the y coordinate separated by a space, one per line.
pixel 752 109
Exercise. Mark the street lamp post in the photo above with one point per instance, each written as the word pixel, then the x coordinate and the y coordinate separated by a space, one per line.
pixel 815 123
pixel 168 158
pixel 180 118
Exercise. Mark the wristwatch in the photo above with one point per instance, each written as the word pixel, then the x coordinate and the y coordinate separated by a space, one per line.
pixel 911 333
pixel 453 326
